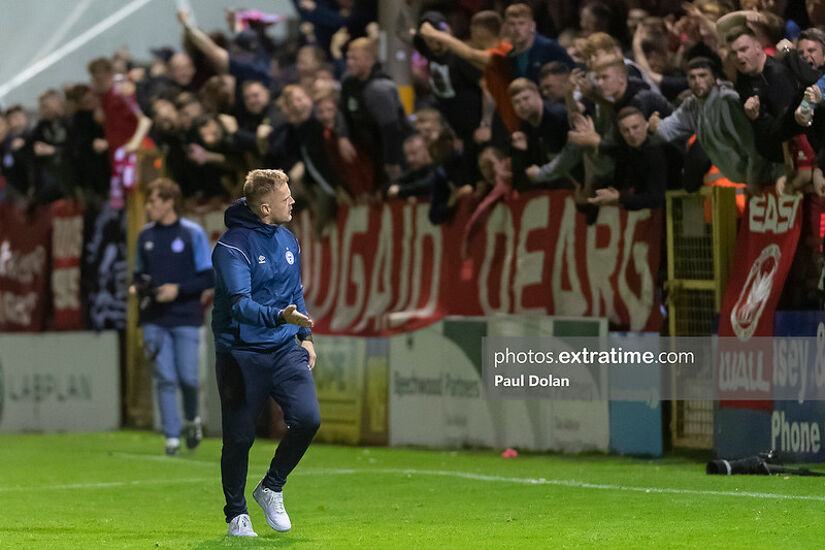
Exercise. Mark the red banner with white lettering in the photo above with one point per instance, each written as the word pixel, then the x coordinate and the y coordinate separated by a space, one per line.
pixel 388 269
pixel 24 250
pixel 67 248
pixel 765 249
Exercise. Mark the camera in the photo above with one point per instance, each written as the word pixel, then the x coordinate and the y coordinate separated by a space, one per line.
pixel 755 465
pixel 765 463
pixel 147 292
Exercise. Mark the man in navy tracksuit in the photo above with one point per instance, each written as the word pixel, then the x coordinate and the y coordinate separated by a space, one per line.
pixel 258 319
pixel 174 252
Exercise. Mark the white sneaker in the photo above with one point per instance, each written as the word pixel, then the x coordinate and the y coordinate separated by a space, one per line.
pixel 273 505
pixel 241 526
pixel 172 446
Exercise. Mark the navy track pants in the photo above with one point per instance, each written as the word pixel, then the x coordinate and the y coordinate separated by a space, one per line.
pixel 245 380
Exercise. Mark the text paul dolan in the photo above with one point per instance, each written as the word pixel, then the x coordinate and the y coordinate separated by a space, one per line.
pixel 530 381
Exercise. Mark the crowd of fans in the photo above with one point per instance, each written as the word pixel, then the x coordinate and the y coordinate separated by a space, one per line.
pixel 628 99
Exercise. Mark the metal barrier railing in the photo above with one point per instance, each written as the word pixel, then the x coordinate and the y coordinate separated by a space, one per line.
pixel 701 240
pixel 138 375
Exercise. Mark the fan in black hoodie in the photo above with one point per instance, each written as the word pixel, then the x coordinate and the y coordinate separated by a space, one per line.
pixel 374 115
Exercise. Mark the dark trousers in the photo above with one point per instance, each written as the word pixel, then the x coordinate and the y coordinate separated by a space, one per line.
pixel 245 380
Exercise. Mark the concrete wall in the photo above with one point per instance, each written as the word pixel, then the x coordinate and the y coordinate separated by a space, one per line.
pixel 59 382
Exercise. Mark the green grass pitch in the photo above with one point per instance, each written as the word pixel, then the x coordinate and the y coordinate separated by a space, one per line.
pixel 116 490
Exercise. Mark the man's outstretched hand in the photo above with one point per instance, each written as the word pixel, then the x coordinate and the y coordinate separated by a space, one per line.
pixel 292 316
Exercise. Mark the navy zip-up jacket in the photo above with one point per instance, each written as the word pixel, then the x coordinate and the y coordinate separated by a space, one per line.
pixel 543 51
pixel 257 275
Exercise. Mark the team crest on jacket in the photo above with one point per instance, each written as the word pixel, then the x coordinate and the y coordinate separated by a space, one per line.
pixel 261 259
pixel 177 245
pixel 290 258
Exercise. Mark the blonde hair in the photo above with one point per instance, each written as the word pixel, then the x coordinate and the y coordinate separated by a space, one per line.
pixel 600 41
pixel 259 183
pixel 521 84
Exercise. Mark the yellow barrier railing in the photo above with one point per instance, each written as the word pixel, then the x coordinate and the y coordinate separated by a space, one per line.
pixel 138 378
pixel 701 240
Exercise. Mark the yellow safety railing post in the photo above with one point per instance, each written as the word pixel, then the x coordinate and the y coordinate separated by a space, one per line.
pixel 701 239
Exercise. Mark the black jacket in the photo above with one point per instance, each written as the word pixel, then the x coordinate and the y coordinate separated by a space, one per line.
pixel 417 183
pixel 455 84
pixel 308 138
pixel 544 142
pixel 779 94
pixel 49 173
pixel 642 174
pixel 89 170
pixel 375 118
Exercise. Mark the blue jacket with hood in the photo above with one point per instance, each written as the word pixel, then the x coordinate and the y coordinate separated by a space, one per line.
pixel 257 274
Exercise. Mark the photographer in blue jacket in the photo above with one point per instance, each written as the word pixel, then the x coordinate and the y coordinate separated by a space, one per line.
pixel 171 272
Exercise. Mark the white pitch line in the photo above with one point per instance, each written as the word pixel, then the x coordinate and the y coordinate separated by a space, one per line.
pixel 443 473
pixel 171 459
pixel 563 483
pixel 110 484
